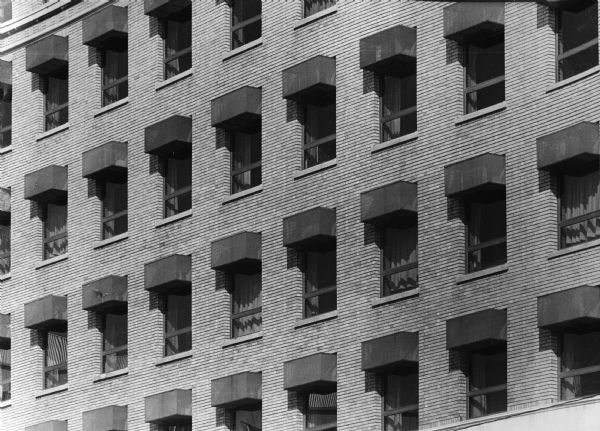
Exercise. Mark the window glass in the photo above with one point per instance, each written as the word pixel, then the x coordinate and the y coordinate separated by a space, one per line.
pixel 399 260
pixel 57 99
pixel 115 342
pixel 321 410
pixel 487 384
pixel 400 402
pixel 55 359
pixel 178 185
pixel 114 212
pixel 246 420
pixel 579 208
pixel 313 6
pixel 577 40
pixel 178 324
pixel 484 74
pixel 5 378
pixel 245 21
pixel 5 117
pixel 320 283
pixel 178 44
pixel 167 427
pixel 486 234
pixel 114 76
pixel 55 230
pixel 5 247
pixel 580 351
pixel 246 304
pixel 319 134
pixel 398 105
pixel 245 161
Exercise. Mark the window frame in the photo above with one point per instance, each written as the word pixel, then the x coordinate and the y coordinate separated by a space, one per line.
pixel 481 85
pixel 470 248
pixel 47 240
pixel 48 113
pixel 105 352
pixel 383 273
pixel 333 3
pixel 306 145
pixel 178 332
pixel 6 98
pixel 182 52
pixel 572 373
pixel 178 192
pixel 235 316
pixel 307 295
pixel 248 168
pixel 242 24
pixel 485 391
pixel 105 87
pixel 107 219
pixel 331 426
pixel 6 383
pixel 62 366
pixel 6 254
pixel 387 118
pixel 400 410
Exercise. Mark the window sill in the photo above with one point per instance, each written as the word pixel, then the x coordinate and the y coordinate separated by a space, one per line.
pixel 574 249
pixel 241 49
pixel 111 107
pixel 6 149
pixel 395 297
pixel 173 358
pixel 51 132
pixel 575 78
pixel 52 261
pixel 316 319
pixel 393 142
pixel 173 219
pixel 463 278
pixel 314 17
pixel 5 404
pixel 481 113
pixel 240 195
pixel 301 173
pixel 111 375
pixel 111 240
pixel 55 390
pixel 244 339
pixel 5 277
pixel 173 79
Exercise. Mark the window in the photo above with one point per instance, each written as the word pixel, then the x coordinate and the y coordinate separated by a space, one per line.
pixel 245 22
pixel 246 304
pixel 178 43
pixel 247 420
pixel 4 245
pixel 579 208
pixel 114 342
pixel 178 185
pixel 114 209
pixel 577 40
pixel 57 100
pixel 401 402
pixel 245 160
pixel 398 93
pixel 311 7
pixel 319 283
pixel 114 75
pixel 55 230
pixel 55 359
pixel 5 10
pixel 487 383
pixel 399 257
pixel 321 411
pixel 5 117
pixel 171 427
pixel 178 324
pixel 486 234
pixel 319 134
pixel 484 73
pixel 580 365
pixel 5 373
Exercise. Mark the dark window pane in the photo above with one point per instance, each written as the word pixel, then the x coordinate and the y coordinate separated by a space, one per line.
pixel 57 98
pixel 178 183
pixel 5 375
pixel 55 230
pixel 55 359
pixel 178 44
pixel 486 234
pixel 320 283
pixel 5 117
pixel 488 375
pixel 400 391
pixel 246 303
pixel 577 41
pixel 321 409
pixel 398 105
pixel 406 421
pixel 245 22
pixel 319 134
pixel 246 420
pixel 115 342
pixel 114 76
pixel 579 208
pixel 313 6
pixel 5 248
pixel 487 404
pixel 114 211
pixel 245 161
pixel 485 68
pixel 580 351
pixel 178 323
pixel 163 427
pixel 399 260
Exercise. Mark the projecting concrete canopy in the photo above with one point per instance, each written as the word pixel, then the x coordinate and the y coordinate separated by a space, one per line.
pixel 476 331
pixel 48 55
pixel 312 81
pixel 106 28
pixel 49 312
pixel 242 390
pixel 164 8
pixel 5 73
pixel 571 150
pixel 171 274
pixel 314 373
pixel 392 352
pixel 476 177
pixel 237 253
pixel 310 230
pixel 391 205
pixel 571 309
pixel 240 109
pixel 48 184
pixel 4 203
pixel 389 49
pixel 473 22
pixel 48 426
pixel 571 5
pixel 171 407
pixel 4 331
pixel 169 137
pixel 106 294
pixel 111 418
pixel 108 162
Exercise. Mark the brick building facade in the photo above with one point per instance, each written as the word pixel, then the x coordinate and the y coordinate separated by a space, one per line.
pixel 210 215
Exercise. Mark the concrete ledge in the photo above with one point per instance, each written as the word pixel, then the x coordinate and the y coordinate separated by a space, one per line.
pixel 315 17
pixel 301 173
pixel 463 278
pixel 5 277
pixel 5 404
pixel 395 297
pixel 242 49
pixel 173 219
pixel 111 375
pixel 173 358
pixel 111 240
pixel 55 390
pixel 51 132
pixel 574 249
pixel 111 107
pixel 560 84
pixel 481 113
pixel 6 149
pixel 393 142
pixel 316 319
pixel 244 339
pixel 52 261
pixel 173 79
pixel 240 195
